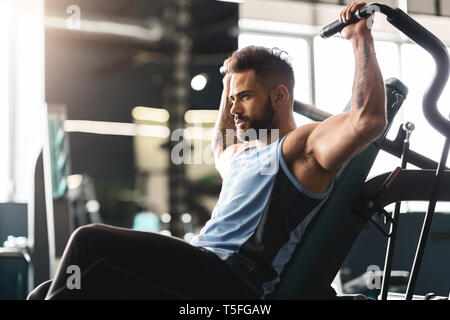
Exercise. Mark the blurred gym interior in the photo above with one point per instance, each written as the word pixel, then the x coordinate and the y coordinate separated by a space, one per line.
pixel 98 97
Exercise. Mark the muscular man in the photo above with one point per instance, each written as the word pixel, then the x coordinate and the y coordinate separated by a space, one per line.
pixel 275 178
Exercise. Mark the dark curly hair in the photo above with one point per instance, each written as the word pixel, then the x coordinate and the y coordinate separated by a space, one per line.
pixel 270 67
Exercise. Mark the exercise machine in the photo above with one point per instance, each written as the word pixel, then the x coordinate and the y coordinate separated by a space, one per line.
pixel 354 201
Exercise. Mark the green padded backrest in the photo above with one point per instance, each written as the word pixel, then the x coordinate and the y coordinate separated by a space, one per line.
pixel 331 234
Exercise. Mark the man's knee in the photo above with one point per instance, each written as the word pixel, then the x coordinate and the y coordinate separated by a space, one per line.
pixel 88 234
pixel 40 291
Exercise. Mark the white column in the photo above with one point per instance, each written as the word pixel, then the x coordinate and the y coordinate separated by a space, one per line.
pixel 5 132
pixel 28 94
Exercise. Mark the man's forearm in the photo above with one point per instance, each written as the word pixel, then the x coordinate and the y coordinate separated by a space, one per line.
pixel 368 99
pixel 224 122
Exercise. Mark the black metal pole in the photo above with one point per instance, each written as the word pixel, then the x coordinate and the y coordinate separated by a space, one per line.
pixel 427 223
pixel 408 127
pixel 177 19
pixel 414 158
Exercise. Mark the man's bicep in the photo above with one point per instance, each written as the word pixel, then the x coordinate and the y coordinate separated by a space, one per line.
pixel 334 142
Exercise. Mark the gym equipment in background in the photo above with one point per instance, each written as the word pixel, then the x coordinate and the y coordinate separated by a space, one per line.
pixel 14 257
pixel 50 218
pixel 40 230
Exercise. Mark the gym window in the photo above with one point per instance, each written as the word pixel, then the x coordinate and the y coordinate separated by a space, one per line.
pixel 21 95
pixel 4 104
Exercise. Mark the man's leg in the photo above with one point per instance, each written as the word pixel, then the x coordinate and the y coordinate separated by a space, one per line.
pixel 118 263
pixel 40 291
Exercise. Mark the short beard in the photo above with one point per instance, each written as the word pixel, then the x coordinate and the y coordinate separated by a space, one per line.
pixel 252 133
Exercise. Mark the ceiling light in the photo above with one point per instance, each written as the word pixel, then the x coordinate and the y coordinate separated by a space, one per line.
pixel 150 114
pixel 199 82
pixel 201 116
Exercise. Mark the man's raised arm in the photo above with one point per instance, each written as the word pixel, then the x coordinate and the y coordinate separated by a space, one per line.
pixel 224 136
pixel 368 98
pixel 338 139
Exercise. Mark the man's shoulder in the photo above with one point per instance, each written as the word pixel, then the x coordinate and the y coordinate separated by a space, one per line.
pixel 302 163
pixel 295 142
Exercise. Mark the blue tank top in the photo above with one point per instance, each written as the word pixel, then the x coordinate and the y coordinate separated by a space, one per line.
pixel 260 216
